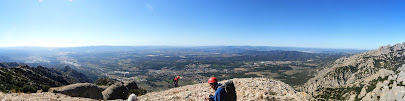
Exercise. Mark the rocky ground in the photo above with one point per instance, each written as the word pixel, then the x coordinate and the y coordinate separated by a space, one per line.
pixel 247 89
pixel 45 96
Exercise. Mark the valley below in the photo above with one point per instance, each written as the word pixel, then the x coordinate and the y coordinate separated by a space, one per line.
pixel 153 68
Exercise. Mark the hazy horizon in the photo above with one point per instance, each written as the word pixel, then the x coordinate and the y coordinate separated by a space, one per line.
pixel 172 46
pixel 338 24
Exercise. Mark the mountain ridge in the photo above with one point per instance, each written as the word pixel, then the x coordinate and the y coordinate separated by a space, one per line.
pixel 350 76
pixel 30 79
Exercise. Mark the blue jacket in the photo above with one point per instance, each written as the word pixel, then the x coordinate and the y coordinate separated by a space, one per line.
pixel 220 94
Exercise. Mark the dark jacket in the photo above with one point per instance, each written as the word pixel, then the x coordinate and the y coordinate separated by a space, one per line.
pixel 220 94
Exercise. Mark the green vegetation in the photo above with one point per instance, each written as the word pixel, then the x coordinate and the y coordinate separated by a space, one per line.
pixel 273 68
pixel 338 93
pixel 295 79
pixel 45 88
pixel 373 83
pixel 347 69
pixel 219 66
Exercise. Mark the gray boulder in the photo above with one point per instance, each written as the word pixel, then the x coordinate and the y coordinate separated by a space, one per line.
pixel 131 85
pixel 86 90
pixel 398 47
pixel 116 91
pixel 102 87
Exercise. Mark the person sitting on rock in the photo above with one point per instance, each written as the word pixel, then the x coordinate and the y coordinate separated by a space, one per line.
pixel 220 93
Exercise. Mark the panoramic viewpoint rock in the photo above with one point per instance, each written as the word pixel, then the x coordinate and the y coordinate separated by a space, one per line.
pixel 247 89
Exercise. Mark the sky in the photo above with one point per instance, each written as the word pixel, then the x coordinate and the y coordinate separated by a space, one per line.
pixel 354 24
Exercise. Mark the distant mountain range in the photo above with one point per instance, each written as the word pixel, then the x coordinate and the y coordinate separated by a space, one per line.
pixel 32 55
pixel 20 77
pixel 202 48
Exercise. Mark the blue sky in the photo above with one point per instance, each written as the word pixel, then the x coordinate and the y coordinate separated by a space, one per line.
pixel 359 24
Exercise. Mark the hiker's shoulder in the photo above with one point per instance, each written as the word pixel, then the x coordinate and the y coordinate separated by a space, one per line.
pixel 220 89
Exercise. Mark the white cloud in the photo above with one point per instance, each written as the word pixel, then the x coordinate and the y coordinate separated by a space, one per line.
pixel 40 0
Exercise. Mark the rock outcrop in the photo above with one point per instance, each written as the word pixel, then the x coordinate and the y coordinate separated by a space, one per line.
pixel 247 89
pixel 119 90
pixel 388 88
pixel 131 85
pixel 86 90
pixel 116 91
pixel 356 77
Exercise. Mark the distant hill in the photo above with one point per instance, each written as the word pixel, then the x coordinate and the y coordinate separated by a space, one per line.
pixel 24 78
pixel 73 76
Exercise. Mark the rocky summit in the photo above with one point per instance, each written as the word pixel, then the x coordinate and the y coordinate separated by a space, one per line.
pixel 373 75
pixel 247 89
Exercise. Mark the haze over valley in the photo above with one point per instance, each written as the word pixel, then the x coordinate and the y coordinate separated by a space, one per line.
pixel 153 67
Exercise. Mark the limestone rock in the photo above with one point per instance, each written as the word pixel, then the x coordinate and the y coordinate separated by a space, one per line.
pixel 131 85
pixel 86 90
pixel 116 91
pixel 398 47
pixel 375 73
pixel 362 93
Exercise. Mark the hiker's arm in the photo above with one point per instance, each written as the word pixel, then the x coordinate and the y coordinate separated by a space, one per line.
pixel 217 96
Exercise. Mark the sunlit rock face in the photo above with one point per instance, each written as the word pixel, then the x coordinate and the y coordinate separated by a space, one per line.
pixel 373 75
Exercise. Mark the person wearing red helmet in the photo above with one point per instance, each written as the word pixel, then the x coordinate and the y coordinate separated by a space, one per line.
pixel 220 93
pixel 176 80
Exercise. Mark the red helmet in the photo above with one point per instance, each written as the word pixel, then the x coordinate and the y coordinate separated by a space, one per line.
pixel 212 80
